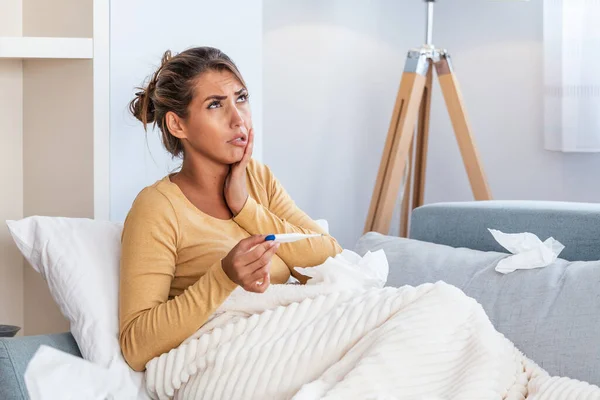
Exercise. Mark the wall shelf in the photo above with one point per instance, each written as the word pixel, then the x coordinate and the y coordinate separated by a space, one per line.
pixel 46 47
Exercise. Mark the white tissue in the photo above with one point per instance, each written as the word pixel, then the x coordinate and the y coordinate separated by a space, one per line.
pixel 348 270
pixel 529 251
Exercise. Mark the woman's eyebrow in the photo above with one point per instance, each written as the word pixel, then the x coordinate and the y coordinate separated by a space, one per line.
pixel 217 97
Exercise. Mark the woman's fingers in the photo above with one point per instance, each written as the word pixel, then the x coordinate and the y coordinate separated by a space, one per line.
pixel 248 151
pixel 257 252
pixel 250 145
pixel 265 258
pixel 259 280
pixel 264 284
pixel 248 256
pixel 245 245
pixel 253 262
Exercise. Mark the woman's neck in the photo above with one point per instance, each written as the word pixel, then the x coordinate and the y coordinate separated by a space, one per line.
pixel 206 175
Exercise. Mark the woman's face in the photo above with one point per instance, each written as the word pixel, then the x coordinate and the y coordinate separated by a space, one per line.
pixel 219 118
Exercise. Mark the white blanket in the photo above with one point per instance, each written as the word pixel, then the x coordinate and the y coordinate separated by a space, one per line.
pixel 344 336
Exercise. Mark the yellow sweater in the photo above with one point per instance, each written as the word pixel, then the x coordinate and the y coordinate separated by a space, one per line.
pixel 171 276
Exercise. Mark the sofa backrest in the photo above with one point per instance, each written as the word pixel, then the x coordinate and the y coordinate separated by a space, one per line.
pixel 465 224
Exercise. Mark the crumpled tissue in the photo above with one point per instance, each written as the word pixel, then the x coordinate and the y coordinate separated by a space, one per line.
pixel 349 270
pixel 529 251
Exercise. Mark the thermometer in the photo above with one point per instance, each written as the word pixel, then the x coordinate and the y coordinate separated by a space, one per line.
pixel 291 237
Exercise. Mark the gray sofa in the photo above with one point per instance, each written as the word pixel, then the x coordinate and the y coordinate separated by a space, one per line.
pixel 551 314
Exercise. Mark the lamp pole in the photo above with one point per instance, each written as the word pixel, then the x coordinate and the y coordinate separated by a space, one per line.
pixel 429 37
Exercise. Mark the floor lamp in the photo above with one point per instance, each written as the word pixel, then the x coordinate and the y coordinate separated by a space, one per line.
pixel 406 147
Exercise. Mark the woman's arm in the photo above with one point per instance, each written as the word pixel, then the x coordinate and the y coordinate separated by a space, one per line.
pixel 150 323
pixel 283 216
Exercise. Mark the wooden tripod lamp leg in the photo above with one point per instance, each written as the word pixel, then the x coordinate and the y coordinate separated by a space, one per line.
pixel 414 191
pixel 462 129
pixel 408 189
pixel 422 141
pixel 397 145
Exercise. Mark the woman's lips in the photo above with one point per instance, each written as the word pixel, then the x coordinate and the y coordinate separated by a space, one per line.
pixel 240 142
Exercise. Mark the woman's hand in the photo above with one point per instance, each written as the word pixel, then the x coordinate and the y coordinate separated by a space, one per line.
pixel 248 264
pixel 235 184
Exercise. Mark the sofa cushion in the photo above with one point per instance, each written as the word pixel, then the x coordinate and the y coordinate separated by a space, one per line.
pixel 552 314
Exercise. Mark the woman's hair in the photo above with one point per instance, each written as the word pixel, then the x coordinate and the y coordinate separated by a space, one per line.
pixel 171 88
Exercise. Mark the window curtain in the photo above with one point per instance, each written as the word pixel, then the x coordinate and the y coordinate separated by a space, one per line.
pixel 572 75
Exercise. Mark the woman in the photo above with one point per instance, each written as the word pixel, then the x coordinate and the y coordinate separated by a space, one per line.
pixel 194 236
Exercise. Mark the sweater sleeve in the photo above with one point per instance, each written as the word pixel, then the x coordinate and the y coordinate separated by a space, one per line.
pixel 282 215
pixel 150 322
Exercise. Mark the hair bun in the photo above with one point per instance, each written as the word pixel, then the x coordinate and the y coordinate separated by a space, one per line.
pixel 142 106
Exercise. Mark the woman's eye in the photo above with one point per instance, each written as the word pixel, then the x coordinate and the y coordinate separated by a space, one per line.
pixel 242 98
pixel 214 104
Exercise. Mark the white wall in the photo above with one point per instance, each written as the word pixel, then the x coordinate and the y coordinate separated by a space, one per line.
pixel 141 30
pixel 331 73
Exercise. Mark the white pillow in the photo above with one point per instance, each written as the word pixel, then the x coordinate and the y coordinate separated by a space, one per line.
pixel 79 259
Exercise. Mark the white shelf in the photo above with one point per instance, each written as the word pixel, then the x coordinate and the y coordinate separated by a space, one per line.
pixel 46 47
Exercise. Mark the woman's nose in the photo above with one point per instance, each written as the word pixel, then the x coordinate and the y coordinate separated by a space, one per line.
pixel 237 119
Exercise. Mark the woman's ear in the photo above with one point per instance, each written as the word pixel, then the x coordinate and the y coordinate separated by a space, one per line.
pixel 175 125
